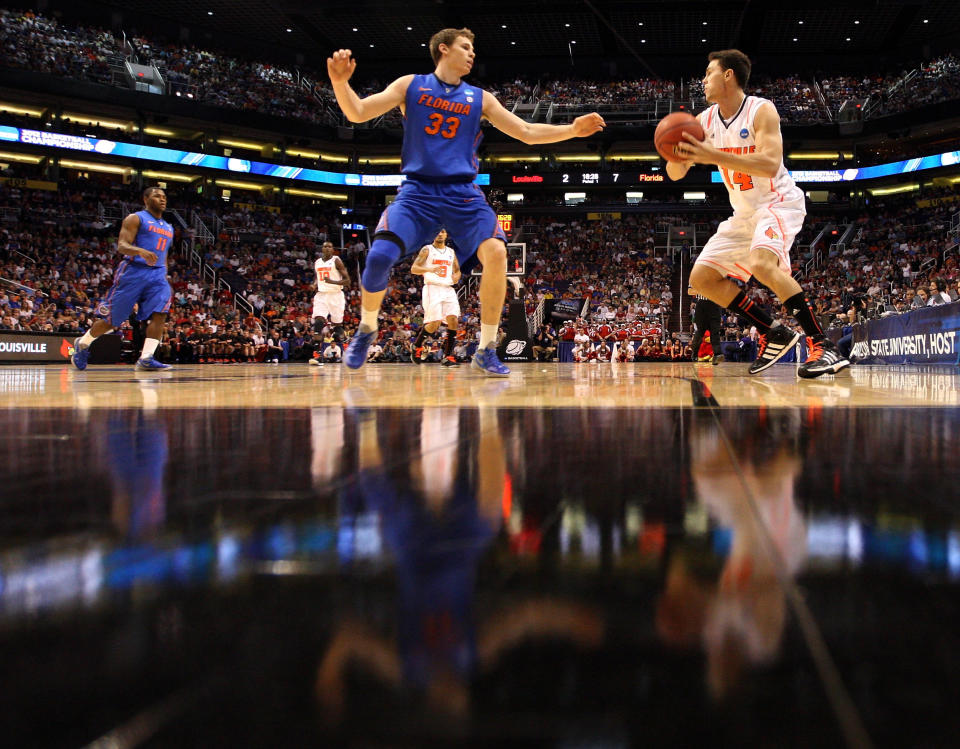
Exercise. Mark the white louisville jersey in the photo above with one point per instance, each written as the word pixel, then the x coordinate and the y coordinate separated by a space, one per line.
pixel 747 192
pixel 442 258
pixel 439 442
pixel 327 269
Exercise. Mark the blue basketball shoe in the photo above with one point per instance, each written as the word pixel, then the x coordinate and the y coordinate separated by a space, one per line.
pixel 80 356
pixel 486 359
pixel 149 363
pixel 357 350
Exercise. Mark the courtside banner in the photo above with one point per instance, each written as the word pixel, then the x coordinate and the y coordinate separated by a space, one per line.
pixel 924 336
pixel 24 347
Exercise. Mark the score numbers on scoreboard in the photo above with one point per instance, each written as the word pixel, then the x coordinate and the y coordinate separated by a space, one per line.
pixel 577 179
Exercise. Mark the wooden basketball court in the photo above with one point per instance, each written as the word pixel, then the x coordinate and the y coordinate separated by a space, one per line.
pixel 612 554
pixel 540 386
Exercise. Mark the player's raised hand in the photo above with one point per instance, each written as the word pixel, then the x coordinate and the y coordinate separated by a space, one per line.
pixel 588 124
pixel 341 66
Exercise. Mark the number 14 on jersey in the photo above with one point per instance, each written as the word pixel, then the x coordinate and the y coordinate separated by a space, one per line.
pixel 743 180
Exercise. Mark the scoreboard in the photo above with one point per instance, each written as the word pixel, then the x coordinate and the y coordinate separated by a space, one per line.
pixel 578 178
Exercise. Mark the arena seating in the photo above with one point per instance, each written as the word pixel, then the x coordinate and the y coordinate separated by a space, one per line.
pixel 35 42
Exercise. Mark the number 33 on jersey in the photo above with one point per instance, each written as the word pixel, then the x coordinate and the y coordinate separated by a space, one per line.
pixel 441 130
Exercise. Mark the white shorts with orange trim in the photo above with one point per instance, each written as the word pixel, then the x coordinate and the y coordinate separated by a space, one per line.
pixel 771 227
pixel 439 302
pixel 330 303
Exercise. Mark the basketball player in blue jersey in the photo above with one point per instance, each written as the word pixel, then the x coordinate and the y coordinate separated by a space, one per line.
pixel 140 279
pixel 442 115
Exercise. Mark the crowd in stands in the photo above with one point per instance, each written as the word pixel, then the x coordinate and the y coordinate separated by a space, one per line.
pixel 32 41
pixel 57 257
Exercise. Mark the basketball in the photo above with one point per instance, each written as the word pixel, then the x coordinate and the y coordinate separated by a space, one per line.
pixel 670 132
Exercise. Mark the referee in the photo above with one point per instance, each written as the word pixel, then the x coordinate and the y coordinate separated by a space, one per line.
pixel 706 316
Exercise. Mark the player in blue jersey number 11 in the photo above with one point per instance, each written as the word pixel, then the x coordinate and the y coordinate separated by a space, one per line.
pixel 140 280
pixel 442 115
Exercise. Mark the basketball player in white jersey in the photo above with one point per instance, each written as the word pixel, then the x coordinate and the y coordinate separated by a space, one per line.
pixel 743 140
pixel 438 265
pixel 329 301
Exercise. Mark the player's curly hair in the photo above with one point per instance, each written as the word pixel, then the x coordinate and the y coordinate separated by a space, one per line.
pixel 448 37
pixel 735 60
pixel 147 190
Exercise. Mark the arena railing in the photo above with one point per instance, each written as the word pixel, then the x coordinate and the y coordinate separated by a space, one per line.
pixel 201 232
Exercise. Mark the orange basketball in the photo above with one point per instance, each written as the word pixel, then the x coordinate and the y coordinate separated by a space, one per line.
pixel 670 131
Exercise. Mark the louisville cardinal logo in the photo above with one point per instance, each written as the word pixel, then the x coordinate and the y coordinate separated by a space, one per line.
pixel 66 348
pixel 771 233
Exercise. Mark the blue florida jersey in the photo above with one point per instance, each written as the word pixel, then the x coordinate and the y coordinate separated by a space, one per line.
pixel 155 235
pixel 441 130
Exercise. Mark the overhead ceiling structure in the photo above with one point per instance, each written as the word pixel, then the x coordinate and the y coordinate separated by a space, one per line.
pixel 385 30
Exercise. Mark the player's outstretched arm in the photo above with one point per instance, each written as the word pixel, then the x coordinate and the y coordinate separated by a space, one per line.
pixel 535 132
pixel 340 67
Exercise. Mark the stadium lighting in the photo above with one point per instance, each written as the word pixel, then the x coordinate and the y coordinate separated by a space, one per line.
pixel 16 109
pixel 24 158
pixel 244 185
pixel 315 194
pixel 249 145
pixel 172 176
pixel 894 190
pixel 91 166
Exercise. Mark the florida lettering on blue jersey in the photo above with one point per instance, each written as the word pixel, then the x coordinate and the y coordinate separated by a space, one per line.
pixel 155 235
pixel 441 130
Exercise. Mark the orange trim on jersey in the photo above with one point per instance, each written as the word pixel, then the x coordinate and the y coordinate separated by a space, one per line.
pixel 783 234
pixel 750 108
pixel 745 270
pixel 710 115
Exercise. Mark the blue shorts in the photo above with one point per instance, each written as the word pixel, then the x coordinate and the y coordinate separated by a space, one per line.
pixel 143 286
pixel 423 208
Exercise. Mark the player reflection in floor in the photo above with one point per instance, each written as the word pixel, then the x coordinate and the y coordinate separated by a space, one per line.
pixel 739 617
pixel 438 521
pixel 137 455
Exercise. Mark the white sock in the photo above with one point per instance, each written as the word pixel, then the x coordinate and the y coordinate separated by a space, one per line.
pixel 488 334
pixel 368 319
pixel 149 346
pixel 86 340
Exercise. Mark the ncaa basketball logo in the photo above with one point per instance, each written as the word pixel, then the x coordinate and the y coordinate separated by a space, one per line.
pixel 516 347
pixel 744 133
pixel 103 310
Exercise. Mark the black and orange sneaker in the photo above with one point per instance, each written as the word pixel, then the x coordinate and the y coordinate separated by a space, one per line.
pixel 417 357
pixel 823 357
pixel 773 346
pixel 449 361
